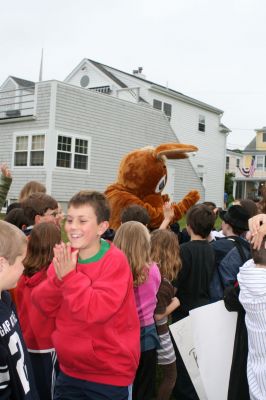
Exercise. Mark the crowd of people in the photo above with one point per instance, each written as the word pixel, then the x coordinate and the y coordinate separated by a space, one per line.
pixel 89 319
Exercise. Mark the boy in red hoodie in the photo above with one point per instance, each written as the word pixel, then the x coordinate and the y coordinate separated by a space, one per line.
pixel 89 291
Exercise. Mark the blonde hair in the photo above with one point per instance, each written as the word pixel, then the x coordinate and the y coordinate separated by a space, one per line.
pixel 29 188
pixel 12 242
pixel 133 239
pixel 165 252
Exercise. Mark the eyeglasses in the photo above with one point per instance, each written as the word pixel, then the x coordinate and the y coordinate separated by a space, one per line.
pixel 52 214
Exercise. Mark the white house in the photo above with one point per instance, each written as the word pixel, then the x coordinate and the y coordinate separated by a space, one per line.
pixel 71 138
pixel 234 161
pixel 192 121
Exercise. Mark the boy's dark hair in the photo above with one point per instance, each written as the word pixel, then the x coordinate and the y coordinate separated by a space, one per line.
pixel 249 206
pixel 135 212
pixel 201 220
pixel 38 204
pixel 259 255
pixel 17 217
pixel 212 207
pixel 94 199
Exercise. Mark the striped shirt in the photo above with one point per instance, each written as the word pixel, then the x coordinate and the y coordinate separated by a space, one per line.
pixel 252 282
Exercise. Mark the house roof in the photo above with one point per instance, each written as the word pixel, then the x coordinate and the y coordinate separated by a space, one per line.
pixel 23 82
pixel 112 76
pixel 104 67
pixel 251 146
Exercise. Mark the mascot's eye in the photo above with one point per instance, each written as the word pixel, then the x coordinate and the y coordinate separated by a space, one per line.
pixel 161 184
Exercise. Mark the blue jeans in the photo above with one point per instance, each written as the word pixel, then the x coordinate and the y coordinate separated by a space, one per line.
pixel 68 388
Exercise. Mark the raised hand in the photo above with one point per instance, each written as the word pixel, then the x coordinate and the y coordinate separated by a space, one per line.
pixel 64 260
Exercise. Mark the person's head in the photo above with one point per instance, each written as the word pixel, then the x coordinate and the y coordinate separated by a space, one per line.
pixel 29 188
pixel 259 255
pixel 40 207
pixel 133 239
pixel 212 206
pixel 135 212
pixel 250 206
pixel 43 238
pixel 17 217
pixel 87 219
pixel 165 252
pixel 235 220
pixel 13 247
pixel 200 220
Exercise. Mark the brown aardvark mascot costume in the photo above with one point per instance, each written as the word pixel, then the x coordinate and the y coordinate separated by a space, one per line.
pixel 141 179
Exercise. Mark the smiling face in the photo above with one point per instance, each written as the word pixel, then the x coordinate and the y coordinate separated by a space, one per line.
pixel 83 230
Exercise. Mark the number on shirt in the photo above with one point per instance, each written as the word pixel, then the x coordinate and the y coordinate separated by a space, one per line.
pixel 15 346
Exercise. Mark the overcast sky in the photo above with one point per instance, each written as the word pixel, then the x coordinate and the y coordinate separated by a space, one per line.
pixel 212 50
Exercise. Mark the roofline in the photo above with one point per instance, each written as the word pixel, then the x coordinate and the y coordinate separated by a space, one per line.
pixel 165 90
pixel 186 99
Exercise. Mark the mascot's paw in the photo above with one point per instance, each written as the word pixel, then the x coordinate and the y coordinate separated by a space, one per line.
pixel 193 197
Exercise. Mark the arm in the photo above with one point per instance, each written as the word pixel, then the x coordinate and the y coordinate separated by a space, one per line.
pixel 5 387
pixel 168 213
pixel 188 201
pixel 5 183
pixel 85 300
pixel 47 296
pixel 175 303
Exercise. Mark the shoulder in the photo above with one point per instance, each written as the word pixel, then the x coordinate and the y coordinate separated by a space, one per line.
pixel 154 271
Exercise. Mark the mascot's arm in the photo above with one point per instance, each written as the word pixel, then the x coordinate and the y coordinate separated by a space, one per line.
pixel 188 201
pixel 119 199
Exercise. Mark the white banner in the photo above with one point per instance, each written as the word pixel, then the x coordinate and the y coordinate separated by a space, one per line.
pixel 183 336
pixel 214 334
pixel 205 341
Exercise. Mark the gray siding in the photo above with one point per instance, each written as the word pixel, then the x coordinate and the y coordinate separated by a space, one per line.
pixel 7 130
pixel 116 127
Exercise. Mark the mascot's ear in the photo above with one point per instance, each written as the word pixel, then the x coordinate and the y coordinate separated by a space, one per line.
pixel 174 151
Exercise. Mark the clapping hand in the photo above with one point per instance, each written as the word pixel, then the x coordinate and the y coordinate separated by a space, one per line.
pixel 64 259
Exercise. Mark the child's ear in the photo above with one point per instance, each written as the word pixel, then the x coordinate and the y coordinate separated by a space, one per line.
pixel 103 226
pixel 3 262
pixel 37 219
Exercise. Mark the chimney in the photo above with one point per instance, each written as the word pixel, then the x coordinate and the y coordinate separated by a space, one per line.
pixel 138 73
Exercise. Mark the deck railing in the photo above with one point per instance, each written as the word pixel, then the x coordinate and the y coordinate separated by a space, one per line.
pixel 17 103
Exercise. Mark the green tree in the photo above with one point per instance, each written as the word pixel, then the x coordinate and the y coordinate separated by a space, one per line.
pixel 228 182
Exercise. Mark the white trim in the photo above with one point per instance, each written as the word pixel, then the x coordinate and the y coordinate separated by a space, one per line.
pixel 50 152
pixel 29 134
pixel 41 351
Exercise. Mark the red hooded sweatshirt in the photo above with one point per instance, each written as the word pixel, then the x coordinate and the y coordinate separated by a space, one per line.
pixel 36 327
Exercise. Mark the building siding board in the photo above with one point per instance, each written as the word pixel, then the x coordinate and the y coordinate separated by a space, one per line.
pixel 7 131
pixel 116 127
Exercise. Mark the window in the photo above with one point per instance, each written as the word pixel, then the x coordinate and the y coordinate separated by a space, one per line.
pixel 157 104
pixel 29 151
pixel 72 152
pixel 260 163
pixel 167 110
pixel 165 107
pixel 264 137
pixel 227 162
pixel 201 126
pixel 238 162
